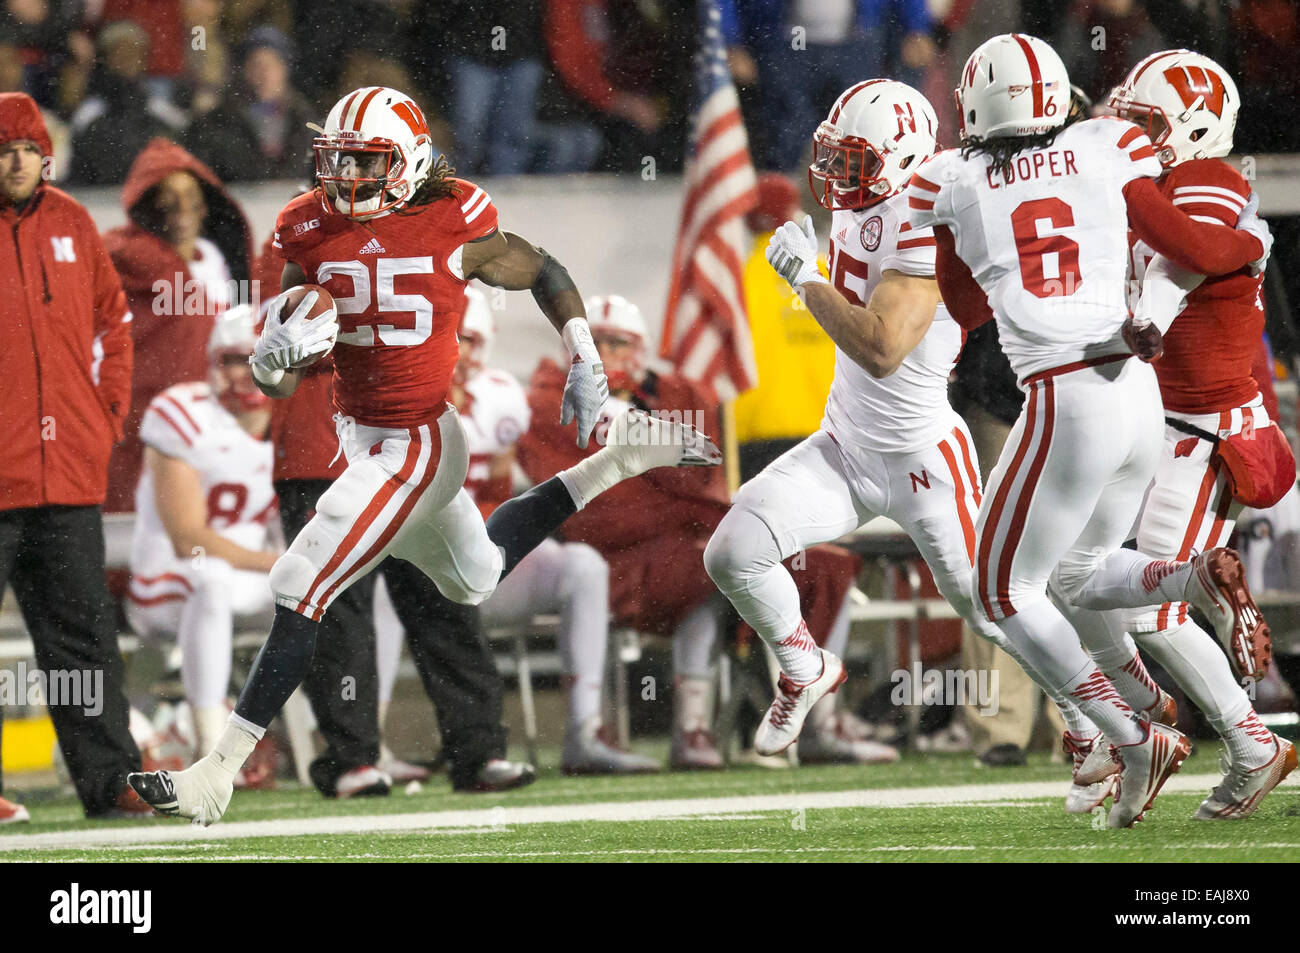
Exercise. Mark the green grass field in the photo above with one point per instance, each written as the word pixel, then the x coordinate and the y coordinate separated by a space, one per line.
pixel 932 808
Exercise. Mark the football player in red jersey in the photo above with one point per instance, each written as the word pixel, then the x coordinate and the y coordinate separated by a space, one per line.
pixel 394 237
pixel 1221 451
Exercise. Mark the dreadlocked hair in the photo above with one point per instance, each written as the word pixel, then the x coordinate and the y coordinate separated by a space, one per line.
pixel 439 184
pixel 1002 150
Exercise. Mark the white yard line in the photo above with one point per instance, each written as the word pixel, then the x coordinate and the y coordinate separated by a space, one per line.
pixel 604 811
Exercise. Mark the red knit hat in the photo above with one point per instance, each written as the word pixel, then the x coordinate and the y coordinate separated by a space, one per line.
pixel 777 195
pixel 20 118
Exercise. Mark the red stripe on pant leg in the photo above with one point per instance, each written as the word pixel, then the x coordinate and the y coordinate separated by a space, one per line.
pixel 435 454
pixel 1220 529
pixel 969 463
pixel 1200 510
pixel 1000 495
pixel 367 517
pixel 1023 501
pixel 967 526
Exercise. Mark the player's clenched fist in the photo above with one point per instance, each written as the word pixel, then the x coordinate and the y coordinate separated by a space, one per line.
pixel 1143 339
pixel 586 389
pixel 792 251
pixel 296 340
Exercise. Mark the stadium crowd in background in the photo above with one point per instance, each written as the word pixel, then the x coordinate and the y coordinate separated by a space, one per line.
pixel 553 86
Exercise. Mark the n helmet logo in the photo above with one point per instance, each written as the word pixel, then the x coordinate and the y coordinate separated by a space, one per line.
pixel 410 114
pixel 971 67
pixel 909 117
pixel 1191 82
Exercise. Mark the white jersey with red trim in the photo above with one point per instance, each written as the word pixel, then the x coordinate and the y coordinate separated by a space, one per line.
pixel 908 409
pixel 1047 243
pixel 495 417
pixel 186 422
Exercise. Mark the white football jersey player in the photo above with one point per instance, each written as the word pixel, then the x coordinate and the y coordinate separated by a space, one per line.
pixel 1047 243
pixel 186 422
pixel 908 409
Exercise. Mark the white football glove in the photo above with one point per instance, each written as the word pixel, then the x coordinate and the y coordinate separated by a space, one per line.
pixel 586 389
pixel 287 342
pixel 1249 221
pixel 792 251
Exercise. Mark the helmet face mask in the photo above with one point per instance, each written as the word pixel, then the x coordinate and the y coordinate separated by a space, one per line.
pixel 355 174
pixel 232 382
pixel 844 171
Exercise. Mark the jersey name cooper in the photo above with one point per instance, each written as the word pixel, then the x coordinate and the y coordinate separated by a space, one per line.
pixel 1048 243
pixel 908 409
pixel 400 293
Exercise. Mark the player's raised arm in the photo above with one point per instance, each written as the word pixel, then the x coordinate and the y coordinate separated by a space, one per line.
pixel 506 260
pixel 1203 247
pixel 877 337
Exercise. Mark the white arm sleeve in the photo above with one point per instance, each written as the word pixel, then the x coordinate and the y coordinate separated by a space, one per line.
pixel 1165 287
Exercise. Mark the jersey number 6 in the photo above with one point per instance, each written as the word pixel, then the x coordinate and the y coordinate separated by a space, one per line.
pixel 1049 264
pixel 387 301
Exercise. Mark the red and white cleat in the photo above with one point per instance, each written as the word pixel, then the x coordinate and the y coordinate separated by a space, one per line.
pixel 11 813
pixel 784 720
pixel 1144 767
pixel 1218 588
pixel 1242 789
pixel 365 781
pixel 1094 772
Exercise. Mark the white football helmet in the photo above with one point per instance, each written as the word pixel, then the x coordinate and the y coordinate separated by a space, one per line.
pixel 1012 85
pixel 233 337
pixel 1186 102
pixel 877 134
pixel 374 152
pixel 614 317
pixel 478 329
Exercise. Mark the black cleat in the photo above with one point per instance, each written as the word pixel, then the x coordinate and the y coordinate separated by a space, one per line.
pixel 499 775
pixel 155 789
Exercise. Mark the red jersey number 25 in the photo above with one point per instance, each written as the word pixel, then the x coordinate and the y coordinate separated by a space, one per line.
pixel 412 321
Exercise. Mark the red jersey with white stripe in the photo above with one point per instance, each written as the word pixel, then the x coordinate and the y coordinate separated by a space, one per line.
pixel 908 409
pixel 187 423
pixel 1048 242
pixel 1209 350
pixel 400 293
pixel 495 416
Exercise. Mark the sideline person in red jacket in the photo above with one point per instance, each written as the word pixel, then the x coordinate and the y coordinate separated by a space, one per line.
pixel 184 258
pixel 65 360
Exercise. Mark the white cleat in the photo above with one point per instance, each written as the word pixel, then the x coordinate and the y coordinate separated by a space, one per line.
pixel 642 441
pixel 1094 772
pixel 1144 767
pixel 1242 789
pixel 190 793
pixel 1218 588
pixel 1094 768
pixel 784 720
pixel 363 781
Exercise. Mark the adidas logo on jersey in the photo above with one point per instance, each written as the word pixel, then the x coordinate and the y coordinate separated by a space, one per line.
pixel 372 247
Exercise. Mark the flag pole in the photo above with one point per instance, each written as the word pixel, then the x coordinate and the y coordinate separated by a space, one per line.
pixel 730 447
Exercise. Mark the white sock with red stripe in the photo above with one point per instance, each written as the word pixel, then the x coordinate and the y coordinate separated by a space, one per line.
pixel 1129 675
pixel 1197 663
pixel 1249 742
pixel 798 655
pixel 1126 579
pixel 1050 646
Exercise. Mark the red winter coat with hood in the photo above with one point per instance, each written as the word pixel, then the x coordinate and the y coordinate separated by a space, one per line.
pixel 652 529
pixel 65 341
pixel 170 342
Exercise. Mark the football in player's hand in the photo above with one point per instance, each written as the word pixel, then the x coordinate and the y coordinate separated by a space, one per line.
pixel 323 305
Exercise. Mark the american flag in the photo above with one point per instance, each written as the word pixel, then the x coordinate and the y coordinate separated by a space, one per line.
pixel 706 334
